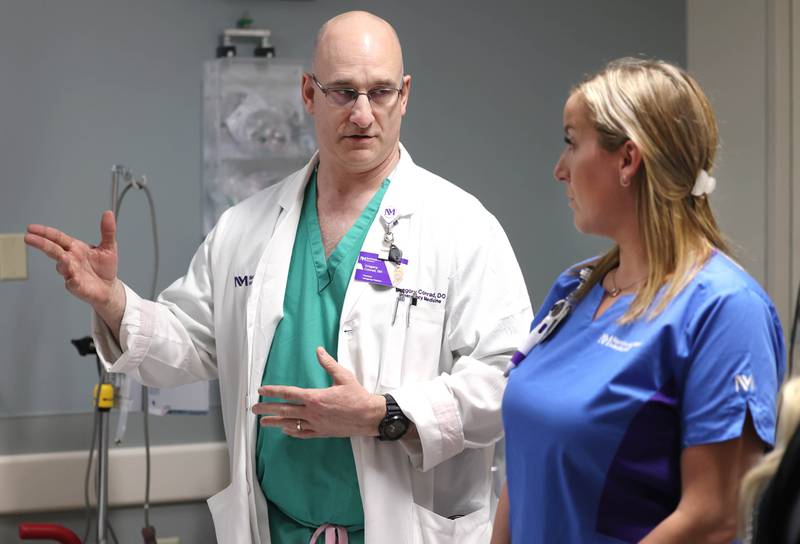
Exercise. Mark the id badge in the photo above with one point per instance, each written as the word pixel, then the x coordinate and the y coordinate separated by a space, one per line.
pixel 371 269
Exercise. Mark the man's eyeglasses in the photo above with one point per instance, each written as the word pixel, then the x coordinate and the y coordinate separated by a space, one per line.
pixel 341 97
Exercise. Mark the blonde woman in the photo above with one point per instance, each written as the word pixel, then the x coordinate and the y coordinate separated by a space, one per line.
pixel 757 479
pixel 634 417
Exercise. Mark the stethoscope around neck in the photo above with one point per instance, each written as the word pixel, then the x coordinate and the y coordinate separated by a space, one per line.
pixel 547 326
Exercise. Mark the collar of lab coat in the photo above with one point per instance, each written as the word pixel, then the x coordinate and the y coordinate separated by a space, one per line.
pixel 399 194
pixel 274 266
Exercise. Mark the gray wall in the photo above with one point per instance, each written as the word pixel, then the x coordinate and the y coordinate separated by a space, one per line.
pixel 112 81
pixel 758 120
pixel 741 111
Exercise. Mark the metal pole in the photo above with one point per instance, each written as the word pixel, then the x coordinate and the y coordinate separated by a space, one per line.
pixel 102 447
pixel 102 476
pixel 116 171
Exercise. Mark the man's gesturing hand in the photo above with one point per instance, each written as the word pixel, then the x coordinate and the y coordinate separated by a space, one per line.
pixel 89 272
pixel 342 410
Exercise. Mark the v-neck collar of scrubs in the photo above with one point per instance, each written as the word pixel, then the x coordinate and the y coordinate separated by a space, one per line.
pixel 593 300
pixel 326 267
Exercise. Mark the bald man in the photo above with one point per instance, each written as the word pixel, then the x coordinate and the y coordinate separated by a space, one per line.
pixel 361 362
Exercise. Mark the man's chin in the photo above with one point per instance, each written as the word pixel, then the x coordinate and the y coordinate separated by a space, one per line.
pixel 359 156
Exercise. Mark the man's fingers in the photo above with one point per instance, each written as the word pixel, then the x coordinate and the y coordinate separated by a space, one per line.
pixel 52 234
pixel 294 433
pixel 337 372
pixel 276 421
pixel 289 426
pixel 279 409
pixel 108 230
pixel 297 395
pixel 54 251
pixel 52 242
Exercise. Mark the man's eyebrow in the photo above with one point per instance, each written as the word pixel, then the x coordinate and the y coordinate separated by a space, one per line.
pixel 385 83
pixel 348 83
pixel 340 83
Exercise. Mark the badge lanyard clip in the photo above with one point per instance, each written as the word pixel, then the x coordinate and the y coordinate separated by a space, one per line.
pixel 389 220
pixel 548 324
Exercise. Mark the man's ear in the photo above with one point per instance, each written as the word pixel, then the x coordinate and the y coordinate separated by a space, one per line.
pixel 307 90
pixel 406 92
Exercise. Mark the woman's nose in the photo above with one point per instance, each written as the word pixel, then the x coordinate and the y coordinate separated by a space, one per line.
pixel 560 172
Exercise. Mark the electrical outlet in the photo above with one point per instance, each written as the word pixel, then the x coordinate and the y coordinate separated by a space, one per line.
pixel 13 257
pixel 168 540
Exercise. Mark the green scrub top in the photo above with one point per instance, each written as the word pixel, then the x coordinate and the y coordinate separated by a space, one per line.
pixel 311 482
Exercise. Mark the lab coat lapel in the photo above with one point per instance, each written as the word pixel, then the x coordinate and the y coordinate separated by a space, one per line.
pixel 400 196
pixel 269 284
pixel 264 312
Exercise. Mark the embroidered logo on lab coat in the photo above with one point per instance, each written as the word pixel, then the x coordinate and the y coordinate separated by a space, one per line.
pixel 243 281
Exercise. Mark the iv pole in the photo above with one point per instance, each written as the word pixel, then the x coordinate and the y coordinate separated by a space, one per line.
pixel 104 408
pixel 104 402
pixel 105 394
pixel 104 397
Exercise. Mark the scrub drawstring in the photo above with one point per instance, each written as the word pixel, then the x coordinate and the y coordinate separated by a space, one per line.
pixel 333 534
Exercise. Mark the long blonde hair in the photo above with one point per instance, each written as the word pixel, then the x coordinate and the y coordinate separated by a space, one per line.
pixel 757 478
pixel 664 112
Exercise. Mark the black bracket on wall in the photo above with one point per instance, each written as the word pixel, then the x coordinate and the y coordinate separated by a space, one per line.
pixel 261 35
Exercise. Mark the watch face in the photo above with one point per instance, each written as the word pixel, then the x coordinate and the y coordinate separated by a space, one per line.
pixel 395 427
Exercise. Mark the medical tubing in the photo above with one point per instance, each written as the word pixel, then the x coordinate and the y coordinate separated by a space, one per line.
pixel 145 393
pixel 151 202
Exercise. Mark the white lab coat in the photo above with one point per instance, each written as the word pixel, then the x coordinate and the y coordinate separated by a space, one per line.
pixel 443 366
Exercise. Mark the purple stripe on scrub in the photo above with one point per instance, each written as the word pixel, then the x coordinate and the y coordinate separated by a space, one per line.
pixel 643 483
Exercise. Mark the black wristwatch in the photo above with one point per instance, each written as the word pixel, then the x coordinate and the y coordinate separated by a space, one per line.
pixel 394 424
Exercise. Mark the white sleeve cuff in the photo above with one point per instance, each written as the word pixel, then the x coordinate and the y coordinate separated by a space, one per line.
pixel 135 334
pixel 434 411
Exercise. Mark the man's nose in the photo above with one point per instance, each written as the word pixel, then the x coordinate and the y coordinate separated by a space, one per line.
pixel 361 114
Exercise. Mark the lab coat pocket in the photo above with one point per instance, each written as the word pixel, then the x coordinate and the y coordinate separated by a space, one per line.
pixel 226 512
pixel 413 347
pixel 431 528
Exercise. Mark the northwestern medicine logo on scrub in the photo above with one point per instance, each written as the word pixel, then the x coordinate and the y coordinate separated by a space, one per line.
pixel 243 281
pixel 744 382
pixel 611 341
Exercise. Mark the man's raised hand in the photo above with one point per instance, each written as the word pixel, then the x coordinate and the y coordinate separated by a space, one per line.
pixel 89 272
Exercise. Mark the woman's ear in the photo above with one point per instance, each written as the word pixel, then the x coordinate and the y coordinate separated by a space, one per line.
pixel 630 162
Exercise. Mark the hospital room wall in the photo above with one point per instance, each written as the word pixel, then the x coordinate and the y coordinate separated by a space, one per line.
pixel 90 83
pixel 744 60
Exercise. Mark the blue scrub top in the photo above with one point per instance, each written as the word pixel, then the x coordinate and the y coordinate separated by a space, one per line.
pixel 596 416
